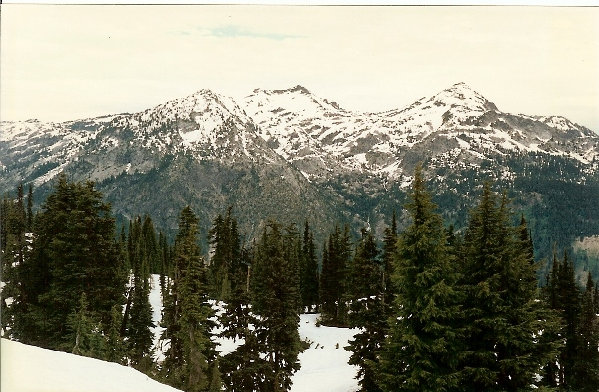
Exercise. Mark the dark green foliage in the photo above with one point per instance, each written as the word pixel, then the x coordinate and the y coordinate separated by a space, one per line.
pixel 309 275
pixel 585 371
pixel 275 300
pixel 563 297
pixel 139 334
pixel 389 253
pixel 225 254
pixel 502 311
pixel 423 348
pixel 241 369
pixel 116 350
pixel 366 311
pixel 73 252
pixel 84 336
pixel 29 216
pixel 335 262
pixel 187 313
pixel 578 359
pixel 143 256
pixel 13 251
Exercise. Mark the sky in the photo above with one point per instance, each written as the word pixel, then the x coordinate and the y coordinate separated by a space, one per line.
pixel 65 62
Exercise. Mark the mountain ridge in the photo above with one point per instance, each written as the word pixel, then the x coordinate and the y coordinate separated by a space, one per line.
pixel 284 153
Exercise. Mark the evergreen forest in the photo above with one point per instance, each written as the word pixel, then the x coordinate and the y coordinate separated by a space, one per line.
pixel 435 309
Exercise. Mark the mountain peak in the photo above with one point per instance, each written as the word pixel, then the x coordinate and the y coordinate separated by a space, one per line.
pixel 462 95
pixel 296 89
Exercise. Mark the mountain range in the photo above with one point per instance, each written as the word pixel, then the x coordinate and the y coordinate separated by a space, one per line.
pixel 290 155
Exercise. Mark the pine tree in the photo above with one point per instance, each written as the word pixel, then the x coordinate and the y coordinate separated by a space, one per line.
pixel 275 300
pixel 566 301
pixel 241 369
pixel 366 311
pixel 423 349
pixel 585 371
pixel 85 337
pixel 29 224
pixel 308 270
pixel 335 262
pixel 142 253
pixel 389 251
pixel 551 374
pixel 502 308
pixel 13 252
pixel 74 251
pixel 196 316
pixel 116 350
pixel 187 314
pixel 139 333
pixel 224 240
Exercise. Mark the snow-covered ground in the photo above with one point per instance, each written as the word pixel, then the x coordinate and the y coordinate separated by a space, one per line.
pixel 324 364
pixel 32 369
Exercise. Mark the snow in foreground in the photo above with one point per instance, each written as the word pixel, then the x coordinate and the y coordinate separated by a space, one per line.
pixel 26 368
pixel 32 369
pixel 324 364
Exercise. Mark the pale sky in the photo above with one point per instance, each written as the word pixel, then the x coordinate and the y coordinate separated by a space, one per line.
pixel 65 62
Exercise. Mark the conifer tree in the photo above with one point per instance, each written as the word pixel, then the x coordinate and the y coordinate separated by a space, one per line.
pixel 423 349
pixel 85 337
pixel 116 350
pixel 13 252
pixel 196 316
pixel 308 270
pixel 389 251
pixel 585 371
pixel 187 314
pixel 29 224
pixel 366 311
pixel 275 300
pixel 502 310
pixel 142 252
pixel 241 369
pixel 74 251
pixel 139 333
pixel 224 240
pixel 335 263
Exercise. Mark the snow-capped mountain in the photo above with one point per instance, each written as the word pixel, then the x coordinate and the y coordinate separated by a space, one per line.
pixel 288 153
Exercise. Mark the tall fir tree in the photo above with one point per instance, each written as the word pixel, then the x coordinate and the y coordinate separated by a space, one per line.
pixel 73 252
pixel 199 351
pixel 333 285
pixel 503 313
pixel 585 372
pixel 389 253
pixel 225 244
pixel 14 250
pixel 188 315
pixel 29 213
pixel 142 254
pixel 309 275
pixel 116 351
pixel 423 349
pixel 84 336
pixel 366 311
pixel 275 301
pixel 241 368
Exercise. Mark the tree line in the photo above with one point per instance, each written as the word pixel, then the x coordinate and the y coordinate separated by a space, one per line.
pixel 436 309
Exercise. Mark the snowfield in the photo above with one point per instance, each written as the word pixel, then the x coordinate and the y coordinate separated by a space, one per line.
pixel 33 369
pixel 324 364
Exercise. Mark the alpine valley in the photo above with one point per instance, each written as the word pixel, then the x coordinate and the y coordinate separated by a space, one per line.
pixel 288 153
